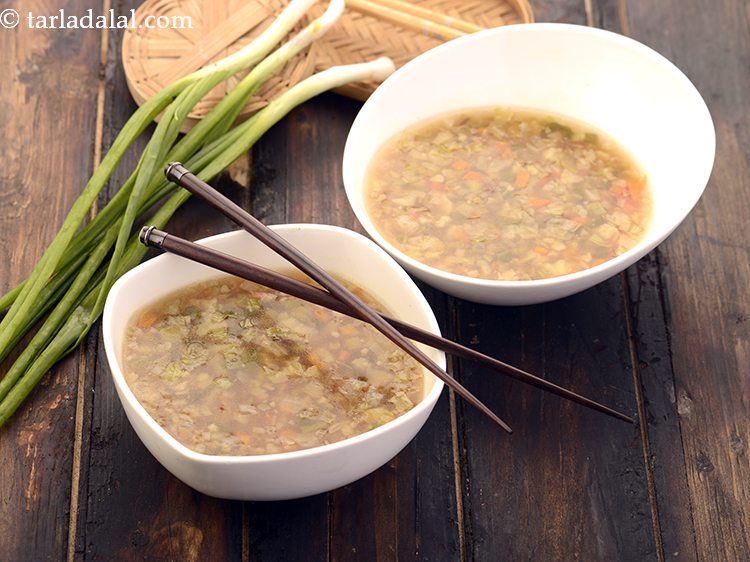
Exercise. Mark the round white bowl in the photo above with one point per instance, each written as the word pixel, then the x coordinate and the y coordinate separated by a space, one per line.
pixel 607 80
pixel 285 475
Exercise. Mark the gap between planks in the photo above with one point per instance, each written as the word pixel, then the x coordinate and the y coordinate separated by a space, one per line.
pixel 457 476
pixel 75 476
pixel 455 446
pixel 245 532
pixel 635 367
pixel 631 337
pixel 642 419
pixel 622 14
pixel 635 363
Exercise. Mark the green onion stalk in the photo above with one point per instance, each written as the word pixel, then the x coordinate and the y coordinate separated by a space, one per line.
pixel 98 235
pixel 76 324
pixel 156 152
pixel 26 299
pixel 80 274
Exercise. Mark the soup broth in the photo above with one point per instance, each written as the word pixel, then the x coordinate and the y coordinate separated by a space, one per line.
pixel 506 194
pixel 228 367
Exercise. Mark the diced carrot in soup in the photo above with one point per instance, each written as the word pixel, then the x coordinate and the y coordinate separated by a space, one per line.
pixel 538 202
pixel 522 177
pixel 473 175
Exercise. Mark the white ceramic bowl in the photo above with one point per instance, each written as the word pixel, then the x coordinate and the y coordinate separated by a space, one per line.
pixel 284 475
pixel 609 81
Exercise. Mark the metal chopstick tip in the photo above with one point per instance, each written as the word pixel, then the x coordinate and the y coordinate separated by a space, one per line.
pixel 152 237
pixel 175 171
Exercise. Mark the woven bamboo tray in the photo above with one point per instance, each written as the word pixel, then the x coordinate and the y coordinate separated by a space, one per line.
pixel 152 58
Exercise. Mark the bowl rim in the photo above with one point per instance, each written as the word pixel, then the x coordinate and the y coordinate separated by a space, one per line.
pixel 126 393
pixel 654 235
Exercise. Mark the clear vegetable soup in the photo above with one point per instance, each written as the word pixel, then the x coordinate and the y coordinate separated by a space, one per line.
pixel 228 367
pixel 507 194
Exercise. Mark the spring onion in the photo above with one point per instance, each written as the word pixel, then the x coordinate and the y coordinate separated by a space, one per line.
pixel 73 276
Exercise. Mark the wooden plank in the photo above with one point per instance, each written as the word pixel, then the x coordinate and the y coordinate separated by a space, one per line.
pixel 652 372
pixel 656 376
pixel 289 530
pixel 134 508
pixel 562 11
pixel 573 484
pixel 297 165
pixel 130 507
pixel 703 270
pixel 607 14
pixel 291 182
pixel 48 108
pixel 407 508
pixel 569 483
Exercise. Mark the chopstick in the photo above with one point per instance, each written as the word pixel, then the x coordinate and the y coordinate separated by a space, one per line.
pixel 152 237
pixel 424 13
pixel 180 175
pixel 421 20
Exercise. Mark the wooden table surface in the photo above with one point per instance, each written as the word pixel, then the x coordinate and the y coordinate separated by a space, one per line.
pixel 667 341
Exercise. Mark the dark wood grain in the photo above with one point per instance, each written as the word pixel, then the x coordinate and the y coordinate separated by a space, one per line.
pixel 47 121
pixel 287 187
pixel 703 272
pixel 668 341
pixel 568 484
pixel 401 509
pixel 130 508
pixel 297 165
pixel 567 474
pixel 655 375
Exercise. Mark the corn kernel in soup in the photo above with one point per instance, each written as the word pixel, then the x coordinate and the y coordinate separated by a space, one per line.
pixel 228 367
pixel 507 194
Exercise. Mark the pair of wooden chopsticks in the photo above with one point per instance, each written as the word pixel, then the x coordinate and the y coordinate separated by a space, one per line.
pixel 415 17
pixel 337 298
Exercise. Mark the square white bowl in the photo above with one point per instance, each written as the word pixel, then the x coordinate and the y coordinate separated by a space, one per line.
pixel 341 252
